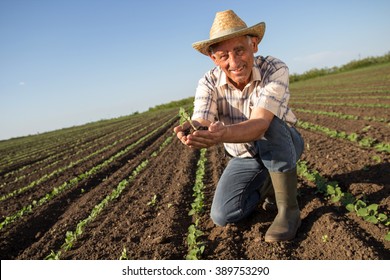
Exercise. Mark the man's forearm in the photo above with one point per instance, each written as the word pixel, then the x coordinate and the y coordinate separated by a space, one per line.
pixel 247 131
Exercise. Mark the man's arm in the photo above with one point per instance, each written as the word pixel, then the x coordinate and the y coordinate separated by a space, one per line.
pixel 247 131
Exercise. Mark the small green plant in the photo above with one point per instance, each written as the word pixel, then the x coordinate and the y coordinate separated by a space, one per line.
pixel 368 212
pixel 153 201
pixel 124 254
pixel 367 142
pixel 325 238
pixel 387 237
pixel 195 247
pixel 185 117
pixel 377 159
pixel 53 256
pixel 353 137
pixel 383 147
pixel 331 191
pixel 334 192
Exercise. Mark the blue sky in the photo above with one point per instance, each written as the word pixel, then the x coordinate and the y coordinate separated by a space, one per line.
pixel 65 63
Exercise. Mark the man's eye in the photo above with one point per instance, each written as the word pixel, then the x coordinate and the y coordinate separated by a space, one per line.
pixel 240 52
pixel 224 57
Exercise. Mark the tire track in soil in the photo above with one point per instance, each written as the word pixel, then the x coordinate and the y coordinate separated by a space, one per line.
pixel 146 232
pixel 44 229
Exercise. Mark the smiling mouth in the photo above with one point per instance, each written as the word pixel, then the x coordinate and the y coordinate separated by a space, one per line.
pixel 237 70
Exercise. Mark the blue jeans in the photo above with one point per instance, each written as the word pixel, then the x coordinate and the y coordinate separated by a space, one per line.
pixel 237 193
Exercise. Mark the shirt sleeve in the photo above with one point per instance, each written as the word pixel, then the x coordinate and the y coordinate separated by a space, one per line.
pixel 205 103
pixel 274 91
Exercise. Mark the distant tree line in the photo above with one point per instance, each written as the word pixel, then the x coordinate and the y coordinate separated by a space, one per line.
pixel 174 104
pixel 354 64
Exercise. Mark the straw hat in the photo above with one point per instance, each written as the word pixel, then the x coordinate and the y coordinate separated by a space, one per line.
pixel 228 25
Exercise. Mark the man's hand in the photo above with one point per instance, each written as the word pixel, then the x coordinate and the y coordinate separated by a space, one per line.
pixel 202 138
pixel 183 130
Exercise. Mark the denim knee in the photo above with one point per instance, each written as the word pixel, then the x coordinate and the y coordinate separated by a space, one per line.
pixel 222 218
pixel 237 194
pixel 281 146
pixel 218 217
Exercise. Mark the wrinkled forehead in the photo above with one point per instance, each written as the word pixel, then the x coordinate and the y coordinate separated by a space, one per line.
pixel 229 44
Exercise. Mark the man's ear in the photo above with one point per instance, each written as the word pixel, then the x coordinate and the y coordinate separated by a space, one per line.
pixel 255 44
pixel 213 58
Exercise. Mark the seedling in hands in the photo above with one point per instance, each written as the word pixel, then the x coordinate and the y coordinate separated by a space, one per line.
pixel 185 117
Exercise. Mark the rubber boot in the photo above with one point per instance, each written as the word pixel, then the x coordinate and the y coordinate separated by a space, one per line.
pixel 288 219
pixel 267 195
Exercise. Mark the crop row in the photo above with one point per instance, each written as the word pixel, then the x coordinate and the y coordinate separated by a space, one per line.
pixel 76 180
pixel 332 192
pixel 78 161
pixel 72 164
pixel 195 246
pixel 344 104
pixel 365 142
pixel 40 147
pixel 344 96
pixel 341 115
pixel 73 146
pixel 328 92
pixel 71 236
pixel 73 149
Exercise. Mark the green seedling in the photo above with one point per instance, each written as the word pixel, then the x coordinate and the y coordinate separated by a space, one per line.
pixel 377 159
pixel 333 192
pixel 196 248
pixel 153 201
pixel 124 254
pixel 185 117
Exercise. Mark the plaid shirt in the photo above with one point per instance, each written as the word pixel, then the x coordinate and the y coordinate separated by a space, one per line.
pixel 217 99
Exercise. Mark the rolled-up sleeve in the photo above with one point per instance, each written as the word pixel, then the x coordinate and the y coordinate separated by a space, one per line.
pixel 274 92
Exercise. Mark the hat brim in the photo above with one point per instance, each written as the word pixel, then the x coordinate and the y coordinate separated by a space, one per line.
pixel 255 30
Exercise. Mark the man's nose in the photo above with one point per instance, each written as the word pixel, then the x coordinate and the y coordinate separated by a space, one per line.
pixel 233 59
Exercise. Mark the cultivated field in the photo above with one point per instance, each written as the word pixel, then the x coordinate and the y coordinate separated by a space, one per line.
pixel 124 188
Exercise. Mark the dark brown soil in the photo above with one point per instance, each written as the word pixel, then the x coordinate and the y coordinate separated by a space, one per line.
pixel 159 232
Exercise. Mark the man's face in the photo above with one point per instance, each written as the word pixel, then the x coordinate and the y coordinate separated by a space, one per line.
pixel 235 57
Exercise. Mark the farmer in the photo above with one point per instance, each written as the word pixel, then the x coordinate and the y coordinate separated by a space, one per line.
pixel 244 103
